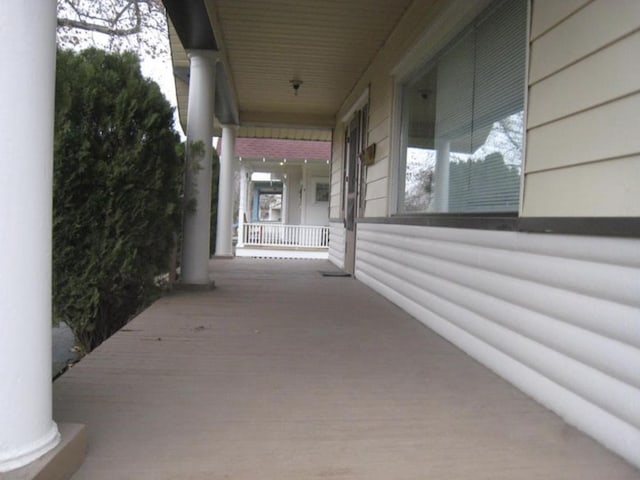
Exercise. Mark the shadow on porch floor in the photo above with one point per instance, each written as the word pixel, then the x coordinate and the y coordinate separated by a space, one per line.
pixel 280 373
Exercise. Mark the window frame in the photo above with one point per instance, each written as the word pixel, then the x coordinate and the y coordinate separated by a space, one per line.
pixel 428 47
pixel 398 161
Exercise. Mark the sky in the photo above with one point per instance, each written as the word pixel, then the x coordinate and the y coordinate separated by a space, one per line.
pixel 159 70
pixel 155 67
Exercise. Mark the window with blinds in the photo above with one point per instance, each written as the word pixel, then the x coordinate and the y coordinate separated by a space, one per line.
pixel 462 120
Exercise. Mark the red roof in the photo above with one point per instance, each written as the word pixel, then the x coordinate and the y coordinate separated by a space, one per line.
pixel 277 148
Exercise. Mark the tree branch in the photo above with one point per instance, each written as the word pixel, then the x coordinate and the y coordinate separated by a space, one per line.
pixel 93 27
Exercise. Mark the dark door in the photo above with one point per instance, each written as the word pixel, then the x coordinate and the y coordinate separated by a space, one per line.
pixel 353 178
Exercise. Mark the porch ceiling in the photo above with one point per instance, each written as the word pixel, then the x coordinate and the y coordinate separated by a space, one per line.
pixel 277 165
pixel 327 45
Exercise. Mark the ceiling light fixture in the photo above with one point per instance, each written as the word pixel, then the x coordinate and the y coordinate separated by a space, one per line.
pixel 295 83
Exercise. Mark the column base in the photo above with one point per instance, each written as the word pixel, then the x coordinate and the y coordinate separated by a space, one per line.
pixel 223 256
pixel 194 287
pixel 61 462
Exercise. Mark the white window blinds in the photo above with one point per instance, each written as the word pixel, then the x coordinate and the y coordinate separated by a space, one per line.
pixel 479 86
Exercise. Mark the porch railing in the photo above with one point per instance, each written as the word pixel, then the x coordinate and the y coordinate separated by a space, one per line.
pixel 280 235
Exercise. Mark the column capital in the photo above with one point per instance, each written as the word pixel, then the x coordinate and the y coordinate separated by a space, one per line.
pixel 211 55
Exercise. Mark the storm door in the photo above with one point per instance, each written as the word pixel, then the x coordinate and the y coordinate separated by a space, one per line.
pixel 354 182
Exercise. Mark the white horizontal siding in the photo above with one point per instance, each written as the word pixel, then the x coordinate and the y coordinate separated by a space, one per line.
pixel 336 244
pixel 379 170
pixel 548 13
pixel 376 208
pixel 601 189
pixel 605 76
pixel 607 132
pixel 336 174
pixel 377 189
pixel 591 28
pixel 379 131
pixel 582 115
pixel 558 316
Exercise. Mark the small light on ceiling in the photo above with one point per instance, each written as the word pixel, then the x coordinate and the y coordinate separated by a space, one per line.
pixel 281 163
pixel 295 83
pixel 284 160
pixel 305 160
pixel 264 159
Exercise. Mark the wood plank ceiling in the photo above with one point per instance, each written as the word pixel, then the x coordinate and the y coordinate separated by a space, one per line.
pixel 326 44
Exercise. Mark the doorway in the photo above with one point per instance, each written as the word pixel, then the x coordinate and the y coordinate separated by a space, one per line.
pixel 354 182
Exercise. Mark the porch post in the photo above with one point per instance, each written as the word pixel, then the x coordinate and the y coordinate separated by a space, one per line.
pixel 285 198
pixel 197 218
pixel 242 205
pixel 303 203
pixel 27 86
pixel 225 193
pixel 441 203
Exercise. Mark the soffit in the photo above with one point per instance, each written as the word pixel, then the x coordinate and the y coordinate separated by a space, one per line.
pixel 180 62
pixel 277 165
pixel 326 44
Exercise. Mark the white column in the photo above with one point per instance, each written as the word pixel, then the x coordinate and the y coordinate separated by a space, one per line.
pixel 27 85
pixel 285 198
pixel 242 205
pixel 225 193
pixel 197 221
pixel 303 205
pixel 441 203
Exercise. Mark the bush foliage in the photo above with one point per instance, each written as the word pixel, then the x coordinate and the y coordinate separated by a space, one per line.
pixel 117 177
pixel 215 175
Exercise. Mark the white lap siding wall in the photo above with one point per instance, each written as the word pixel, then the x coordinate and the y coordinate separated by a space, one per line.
pixel 556 315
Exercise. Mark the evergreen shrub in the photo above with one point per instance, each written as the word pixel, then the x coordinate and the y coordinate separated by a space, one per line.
pixel 117 186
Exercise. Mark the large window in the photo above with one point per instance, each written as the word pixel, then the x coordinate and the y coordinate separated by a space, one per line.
pixel 270 207
pixel 463 123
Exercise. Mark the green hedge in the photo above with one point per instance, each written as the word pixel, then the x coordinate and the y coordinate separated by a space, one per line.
pixel 117 186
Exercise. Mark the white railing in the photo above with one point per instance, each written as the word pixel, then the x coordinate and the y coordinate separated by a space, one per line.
pixel 280 235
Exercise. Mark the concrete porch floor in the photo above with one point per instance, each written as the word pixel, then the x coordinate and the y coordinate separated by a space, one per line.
pixel 280 373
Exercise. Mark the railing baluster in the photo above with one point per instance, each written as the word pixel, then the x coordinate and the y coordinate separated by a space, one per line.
pixel 279 235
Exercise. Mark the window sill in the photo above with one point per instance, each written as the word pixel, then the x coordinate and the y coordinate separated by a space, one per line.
pixel 497 221
pixel 597 226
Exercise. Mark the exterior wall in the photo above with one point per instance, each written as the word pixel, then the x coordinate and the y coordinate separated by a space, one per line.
pixel 315 213
pixel 583 147
pixel 423 29
pixel 299 194
pixel 336 243
pixel 294 202
pixel 555 315
pixel 337 159
pixel 337 231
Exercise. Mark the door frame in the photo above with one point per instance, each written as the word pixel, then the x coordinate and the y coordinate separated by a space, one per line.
pixel 354 176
